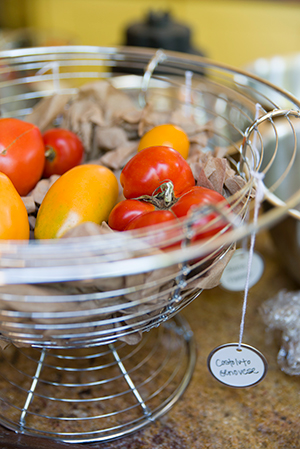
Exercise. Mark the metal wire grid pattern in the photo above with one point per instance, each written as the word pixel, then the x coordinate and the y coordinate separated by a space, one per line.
pixel 96 395
pixel 239 112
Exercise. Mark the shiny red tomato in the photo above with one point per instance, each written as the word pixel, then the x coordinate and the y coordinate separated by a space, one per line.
pixel 126 211
pixel 154 218
pixel 151 167
pixel 63 151
pixel 22 156
pixel 209 224
pixel 135 214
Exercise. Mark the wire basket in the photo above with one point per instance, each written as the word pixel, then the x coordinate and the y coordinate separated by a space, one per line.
pixel 107 291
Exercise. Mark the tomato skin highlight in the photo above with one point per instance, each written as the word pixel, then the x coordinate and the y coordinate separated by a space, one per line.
pixel 84 193
pixel 14 224
pixel 22 156
pixel 126 211
pixel 167 135
pixel 152 166
pixel 63 150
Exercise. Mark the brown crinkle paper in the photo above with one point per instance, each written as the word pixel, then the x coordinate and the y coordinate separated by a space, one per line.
pixel 281 314
pixel 110 125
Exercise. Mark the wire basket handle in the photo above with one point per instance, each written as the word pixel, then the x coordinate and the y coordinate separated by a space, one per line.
pixel 158 57
pixel 265 164
pixel 268 117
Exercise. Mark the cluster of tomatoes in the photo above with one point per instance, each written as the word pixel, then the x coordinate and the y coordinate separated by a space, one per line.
pixel 26 156
pixel 159 187
pixel 157 182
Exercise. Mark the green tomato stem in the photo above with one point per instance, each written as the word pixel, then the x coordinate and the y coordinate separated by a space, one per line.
pixel 50 153
pixel 162 198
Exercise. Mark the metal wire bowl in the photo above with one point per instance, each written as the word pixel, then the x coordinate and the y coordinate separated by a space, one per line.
pixel 136 286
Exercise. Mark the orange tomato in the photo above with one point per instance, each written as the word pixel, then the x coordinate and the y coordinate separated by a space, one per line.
pixel 167 135
pixel 84 193
pixel 14 224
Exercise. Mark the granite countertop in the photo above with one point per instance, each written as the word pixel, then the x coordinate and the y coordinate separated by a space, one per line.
pixel 209 414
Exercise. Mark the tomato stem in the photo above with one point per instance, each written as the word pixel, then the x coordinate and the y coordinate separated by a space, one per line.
pixel 163 197
pixel 50 153
pixel 166 192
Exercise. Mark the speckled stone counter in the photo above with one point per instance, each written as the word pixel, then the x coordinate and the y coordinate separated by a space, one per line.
pixel 209 414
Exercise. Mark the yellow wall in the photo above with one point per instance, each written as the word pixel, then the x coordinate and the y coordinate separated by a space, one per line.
pixel 233 32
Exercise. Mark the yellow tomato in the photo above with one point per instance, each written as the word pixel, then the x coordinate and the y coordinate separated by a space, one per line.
pixel 14 224
pixel 166 135
pixel 84 193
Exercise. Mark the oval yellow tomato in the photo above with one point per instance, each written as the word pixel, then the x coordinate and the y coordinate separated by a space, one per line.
pixel 14 224
pixel 167 135
pixel 84 193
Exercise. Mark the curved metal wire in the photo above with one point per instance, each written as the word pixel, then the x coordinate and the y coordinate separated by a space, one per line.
pixel 96 396
pixel 81 294
pixel 217 94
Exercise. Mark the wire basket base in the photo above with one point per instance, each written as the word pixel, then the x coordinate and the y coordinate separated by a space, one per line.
pixel 96 394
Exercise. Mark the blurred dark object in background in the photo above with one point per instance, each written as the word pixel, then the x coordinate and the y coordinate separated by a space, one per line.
pixel 18 38
pixel 159 30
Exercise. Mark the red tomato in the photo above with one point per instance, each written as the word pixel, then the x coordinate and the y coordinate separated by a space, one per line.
pixel 151 218
pixel 134 214
pixel 63 151
pixel 22 156
pixel 196 197
pixel 125 211
pixel 149 168
pixel 161 217
pixel 167 135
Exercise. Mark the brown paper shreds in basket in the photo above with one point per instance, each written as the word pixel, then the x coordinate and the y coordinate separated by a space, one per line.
pixel 42 187
pixel 95 111
pixel 215 173
pixel 29 204
pixel 151 117
pixel 110 138
pixel 34 199
pixel 87 229
pixel 110 125
pixel 129 121
pixel 117 158
pixel 99 109
pixel 48 110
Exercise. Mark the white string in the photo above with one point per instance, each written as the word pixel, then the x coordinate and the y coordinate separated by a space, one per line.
pixel 255 136
pixel 187 93
pixel 259 196
pixel 258 108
